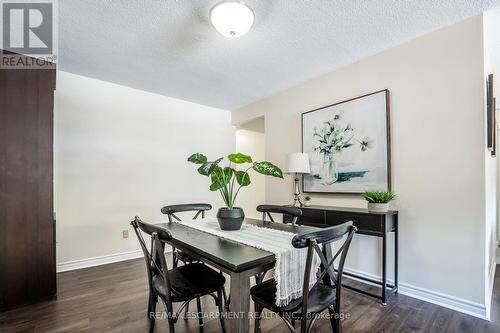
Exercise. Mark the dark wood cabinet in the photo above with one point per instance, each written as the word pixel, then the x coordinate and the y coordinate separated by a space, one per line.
pixel 368 223
pixel 27 231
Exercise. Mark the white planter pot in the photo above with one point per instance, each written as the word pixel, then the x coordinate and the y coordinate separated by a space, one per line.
pixel 378 207
pixel 307 203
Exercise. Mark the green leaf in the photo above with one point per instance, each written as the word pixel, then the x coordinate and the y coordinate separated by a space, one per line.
pixel 215 186
pixel 216 175
pixel 268 169
pixel 228 173
pixel 243 178
pixel 208 167
pixel 197 158
pixel 239 158
pixel 222 175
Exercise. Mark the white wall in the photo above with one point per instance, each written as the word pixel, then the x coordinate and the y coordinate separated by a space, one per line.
pixel 121 152
pixel 252 143
pixel 491 33
pixel 438 157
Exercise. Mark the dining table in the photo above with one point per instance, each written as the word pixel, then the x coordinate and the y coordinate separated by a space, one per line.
pixel 241 262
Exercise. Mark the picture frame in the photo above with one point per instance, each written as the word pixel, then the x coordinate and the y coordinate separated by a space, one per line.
pixel 355 135
pixel 490 113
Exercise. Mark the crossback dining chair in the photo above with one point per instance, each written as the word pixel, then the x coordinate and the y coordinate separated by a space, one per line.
pixel 178 255
pixel 324 294
pixel 267 210
pixel 178 285
pixel 171 211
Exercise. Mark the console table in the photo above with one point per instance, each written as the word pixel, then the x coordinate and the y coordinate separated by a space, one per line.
pixel 368 223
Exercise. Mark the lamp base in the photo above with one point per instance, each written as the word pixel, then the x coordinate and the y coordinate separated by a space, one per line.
pixel 297 203
pixel 296 193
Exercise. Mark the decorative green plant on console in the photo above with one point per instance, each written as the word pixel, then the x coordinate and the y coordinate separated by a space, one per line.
pixel 378 201
pixel 224 179
pixel 379 196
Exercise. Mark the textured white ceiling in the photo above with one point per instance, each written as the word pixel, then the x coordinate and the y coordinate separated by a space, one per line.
pixel 169 47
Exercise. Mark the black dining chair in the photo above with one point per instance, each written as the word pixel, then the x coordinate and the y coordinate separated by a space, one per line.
pixel 170 211
pixel 178 285
pixel 325 293
pixel 290 212
pixel 178 255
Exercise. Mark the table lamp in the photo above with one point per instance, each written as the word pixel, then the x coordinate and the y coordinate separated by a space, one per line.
pixel 297 163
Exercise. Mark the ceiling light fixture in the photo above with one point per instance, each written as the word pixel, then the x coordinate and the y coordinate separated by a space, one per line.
pixel 232 19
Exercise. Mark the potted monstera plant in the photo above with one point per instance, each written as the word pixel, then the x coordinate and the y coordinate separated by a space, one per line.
pixel 229 180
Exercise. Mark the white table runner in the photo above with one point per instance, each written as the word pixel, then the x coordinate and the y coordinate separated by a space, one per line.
pixel 290 262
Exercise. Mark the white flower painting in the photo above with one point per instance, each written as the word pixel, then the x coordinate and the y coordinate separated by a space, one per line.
pixel 348 145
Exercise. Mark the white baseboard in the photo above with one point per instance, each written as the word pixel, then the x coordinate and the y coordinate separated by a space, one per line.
pixel 97 261
pixel 447 301
pixel 101 260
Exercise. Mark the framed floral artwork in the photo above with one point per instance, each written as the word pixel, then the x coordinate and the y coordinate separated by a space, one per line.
pixel 348 144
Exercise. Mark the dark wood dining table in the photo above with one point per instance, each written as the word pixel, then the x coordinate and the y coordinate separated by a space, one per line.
pixel 241 262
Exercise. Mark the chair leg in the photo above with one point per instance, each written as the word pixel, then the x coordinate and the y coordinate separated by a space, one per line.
pixel 311 323
pixel 258 309
pixel 170 316
pixel 186 310
pixel 303 325
pixel 200 314
pixel 335 322
pixel 226 298
pixel 258 315
pixel 287 319
pixel 171 328
pixel 151 303
pixel 221 308
pixel 153 299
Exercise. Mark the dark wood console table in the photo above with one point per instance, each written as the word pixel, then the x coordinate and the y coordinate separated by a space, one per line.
pixel 368 223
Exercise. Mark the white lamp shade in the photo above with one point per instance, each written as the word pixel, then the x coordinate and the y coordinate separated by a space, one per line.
pixel 232 18
pixel 297 163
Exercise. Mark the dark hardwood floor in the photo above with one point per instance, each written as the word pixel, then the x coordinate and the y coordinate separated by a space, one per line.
pixel 112 298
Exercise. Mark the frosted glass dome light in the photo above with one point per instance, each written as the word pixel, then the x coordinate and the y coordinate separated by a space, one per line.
pixel 232 19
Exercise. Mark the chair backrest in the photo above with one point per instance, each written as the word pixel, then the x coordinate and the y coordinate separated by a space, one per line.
pixel 200 208
pixel 286 210
pixel 312 241
pixel 155 260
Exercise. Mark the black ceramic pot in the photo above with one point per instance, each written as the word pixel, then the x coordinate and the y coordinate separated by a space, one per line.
pixel 230 218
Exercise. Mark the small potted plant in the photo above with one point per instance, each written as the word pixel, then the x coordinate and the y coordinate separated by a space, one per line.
pixel 378 201
pixel 228 181
pixel 307 201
